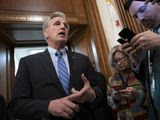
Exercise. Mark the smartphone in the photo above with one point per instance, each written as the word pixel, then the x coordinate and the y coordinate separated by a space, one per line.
pixel 126 33
pixel 121 41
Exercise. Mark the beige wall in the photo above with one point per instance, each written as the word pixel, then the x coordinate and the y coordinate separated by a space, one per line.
pixel 106 22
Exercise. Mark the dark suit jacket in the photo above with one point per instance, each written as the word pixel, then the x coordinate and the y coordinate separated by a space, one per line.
pixel 37 83
pixel 3 109
pixel 102 111
pixel 143 76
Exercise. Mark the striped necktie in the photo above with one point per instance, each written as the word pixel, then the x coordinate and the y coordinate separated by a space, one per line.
pixel 62 71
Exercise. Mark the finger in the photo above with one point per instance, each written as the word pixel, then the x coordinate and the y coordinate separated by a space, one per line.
pixel 76 108
pixel 124 96
pixel 68 110
pixel 72 97
pixel 78 95
pixel 74 91
pixel 85 81
pixel 84 78
pixel 135 40
pixel 124 46
pixel 129 88
pixel 65 115
pixel 133 53
pixel 140 46
pixel 124 91
pixel 128 50
pixel 72 106
pixel 86 84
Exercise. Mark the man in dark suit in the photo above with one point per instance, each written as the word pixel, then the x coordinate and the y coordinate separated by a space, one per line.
pixel 41 89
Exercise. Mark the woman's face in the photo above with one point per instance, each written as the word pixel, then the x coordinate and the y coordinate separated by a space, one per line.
pixel 120 61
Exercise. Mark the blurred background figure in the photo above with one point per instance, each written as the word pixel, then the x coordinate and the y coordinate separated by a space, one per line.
pixel 144 49
pixel 126 95
pixel 3 109
pixel 153 1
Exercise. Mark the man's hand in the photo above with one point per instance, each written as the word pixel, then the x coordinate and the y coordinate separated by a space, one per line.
pixel 134 55
pixel 63 107
pixel 153 1
pixel 86 94
pixel 146 40
pixel 66 107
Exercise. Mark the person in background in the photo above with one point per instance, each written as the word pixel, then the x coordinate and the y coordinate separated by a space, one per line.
pixel 144 50
pixel 4 115
pixel 126 95
pixel 55 84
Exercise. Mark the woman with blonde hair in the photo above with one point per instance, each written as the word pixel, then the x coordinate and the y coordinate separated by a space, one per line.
pixel 126 95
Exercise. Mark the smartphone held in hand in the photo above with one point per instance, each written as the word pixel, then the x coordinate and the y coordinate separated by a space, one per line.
pixel 121 41
pixel 125 33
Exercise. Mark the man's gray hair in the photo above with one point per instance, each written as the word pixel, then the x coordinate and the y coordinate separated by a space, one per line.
pixel 51 16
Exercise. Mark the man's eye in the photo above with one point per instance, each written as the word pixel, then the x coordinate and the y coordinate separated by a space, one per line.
pixel 143 8
pixel 66 25
pixel 57 23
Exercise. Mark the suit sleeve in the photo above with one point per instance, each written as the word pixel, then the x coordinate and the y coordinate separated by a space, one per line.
pixel 98 83
pixel 22 105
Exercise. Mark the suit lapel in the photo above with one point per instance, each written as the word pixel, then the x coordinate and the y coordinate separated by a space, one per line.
pixel 74 81
pixel 49 69
pixel 71 64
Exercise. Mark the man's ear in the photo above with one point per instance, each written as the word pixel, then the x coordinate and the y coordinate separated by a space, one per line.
pixel 45 34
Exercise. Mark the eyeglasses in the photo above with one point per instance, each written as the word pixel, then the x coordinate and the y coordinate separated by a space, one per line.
pixel 122 59
pixel 140 10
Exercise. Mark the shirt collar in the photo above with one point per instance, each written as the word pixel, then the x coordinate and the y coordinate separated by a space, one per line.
pixel 52 51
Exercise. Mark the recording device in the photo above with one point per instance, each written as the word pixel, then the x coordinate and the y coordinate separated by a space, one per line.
pixel 126 33
pixel 121 41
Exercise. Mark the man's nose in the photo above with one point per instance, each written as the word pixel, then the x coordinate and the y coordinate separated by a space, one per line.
pixel 62 26
pixel 119 62
pixel 141 18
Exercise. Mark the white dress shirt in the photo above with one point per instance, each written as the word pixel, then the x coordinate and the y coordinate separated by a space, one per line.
pixel 52 52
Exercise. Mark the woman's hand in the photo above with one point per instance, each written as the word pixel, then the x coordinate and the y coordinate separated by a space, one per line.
pixel 131 91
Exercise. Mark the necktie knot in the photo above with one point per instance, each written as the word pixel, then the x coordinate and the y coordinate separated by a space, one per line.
pixel 58 54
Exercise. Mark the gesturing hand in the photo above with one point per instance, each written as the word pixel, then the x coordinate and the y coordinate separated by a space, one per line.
pixel 63 107
pixel 129 90
pixel 134 55
pixel 66 107
pixel 146 40
pixel 86 94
